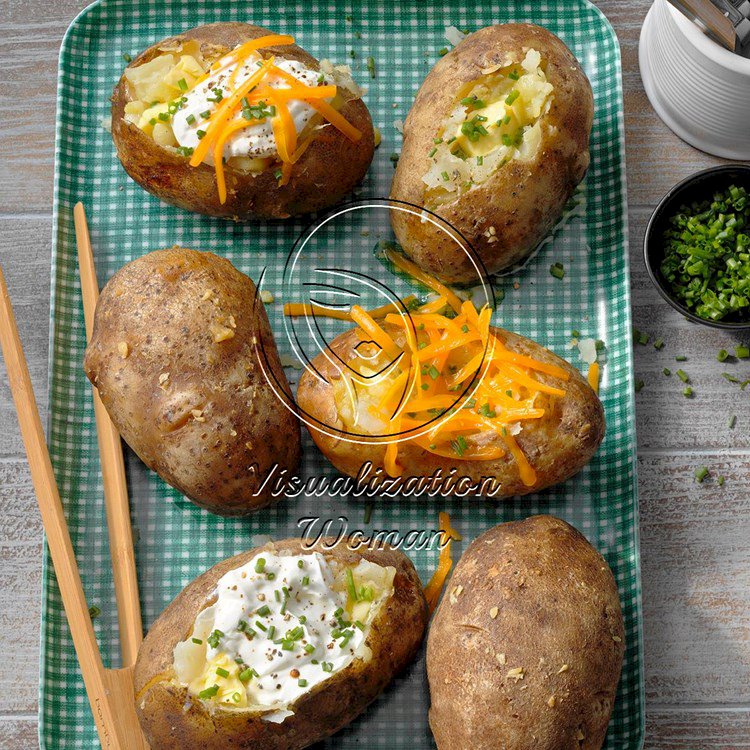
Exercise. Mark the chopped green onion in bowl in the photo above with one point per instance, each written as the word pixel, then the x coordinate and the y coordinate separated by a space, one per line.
pixel 706 260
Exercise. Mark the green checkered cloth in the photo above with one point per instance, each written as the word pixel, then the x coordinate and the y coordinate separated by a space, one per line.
pixel 175 540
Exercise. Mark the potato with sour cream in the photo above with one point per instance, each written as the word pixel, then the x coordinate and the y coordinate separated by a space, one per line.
pixel 495 144
pixel 230 119
pixel 279 647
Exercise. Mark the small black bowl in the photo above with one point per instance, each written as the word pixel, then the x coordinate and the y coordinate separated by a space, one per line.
pixel 696 188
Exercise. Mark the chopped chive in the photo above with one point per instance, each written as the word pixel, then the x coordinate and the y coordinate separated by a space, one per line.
pixel 271 632
pixel 246 674
pixel 732 421
pixel 214 638
pixel 127 58
pixel 730 378
pixel 351 588
pixel 309 648
pixel 205 115
pixel 687 392
pixel 182 83
pixel 264 611
pixel 683 376
pixel 432 153
pixel 208 692
pixel 443 51
pixel 200 134
pixel 512 97
pixel 658 344
pixel 302 683
pixel 701 473
pixel 557 270
pixel 197 641
pixel 742 352
pixel 722 355
pixel 371 66
pixel 190 119
pixel 513 75
pixel 300 564
pixel 222 672
pixel 680 358
pixel 639 385
pixel 94 611
pixel 720 481
pixel 667 371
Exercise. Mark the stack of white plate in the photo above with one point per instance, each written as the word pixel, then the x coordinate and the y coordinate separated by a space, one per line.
pixel 699 89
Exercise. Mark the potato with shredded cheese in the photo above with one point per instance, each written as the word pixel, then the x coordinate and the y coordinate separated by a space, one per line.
pixel 229 119
pixel 438 391
pixel 495 143
pixel 526 646
pixel 279 647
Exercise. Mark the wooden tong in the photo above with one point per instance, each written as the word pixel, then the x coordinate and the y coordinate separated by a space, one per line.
pixel 110 691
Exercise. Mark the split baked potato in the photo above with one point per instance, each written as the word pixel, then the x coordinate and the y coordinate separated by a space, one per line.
pixel 526 646
pixel 278 648
pixel 495 143
pixel 431 395
pixel 184 360
pixel 294 139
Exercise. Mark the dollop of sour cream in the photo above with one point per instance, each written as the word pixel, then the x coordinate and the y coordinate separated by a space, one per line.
pixel 257 140
pixel 279 625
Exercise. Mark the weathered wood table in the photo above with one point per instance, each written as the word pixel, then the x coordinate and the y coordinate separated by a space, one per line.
pixel 695 537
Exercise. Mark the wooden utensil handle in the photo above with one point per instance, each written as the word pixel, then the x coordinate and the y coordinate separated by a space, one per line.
pixel 113 472
pixel 53 519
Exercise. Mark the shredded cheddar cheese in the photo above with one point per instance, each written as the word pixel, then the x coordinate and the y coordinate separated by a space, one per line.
pixel 442 379
pixel 435 587
pixel 593 376
pixel 223 122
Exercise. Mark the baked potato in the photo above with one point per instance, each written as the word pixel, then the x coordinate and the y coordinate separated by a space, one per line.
pixel 432 395
pixel 278 648
pixel 526 646
pixel 185 363
pixel 229 119
pixel 495 143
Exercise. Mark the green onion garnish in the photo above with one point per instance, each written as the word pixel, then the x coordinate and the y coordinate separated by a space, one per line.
pixel 701 473
pixel 707 255
pixel 557 270
pixel 209 692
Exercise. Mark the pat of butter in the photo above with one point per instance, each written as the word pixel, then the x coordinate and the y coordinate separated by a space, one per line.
pixel 494 125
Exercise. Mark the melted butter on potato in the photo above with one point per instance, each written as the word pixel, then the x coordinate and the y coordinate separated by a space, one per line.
pixel 496 119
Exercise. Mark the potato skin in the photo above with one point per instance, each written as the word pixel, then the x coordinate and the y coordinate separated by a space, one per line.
pixel 162 307
pixel 558 445
pixel 325 173
pixel 522 200
pixel 557 603
pixel 171 720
